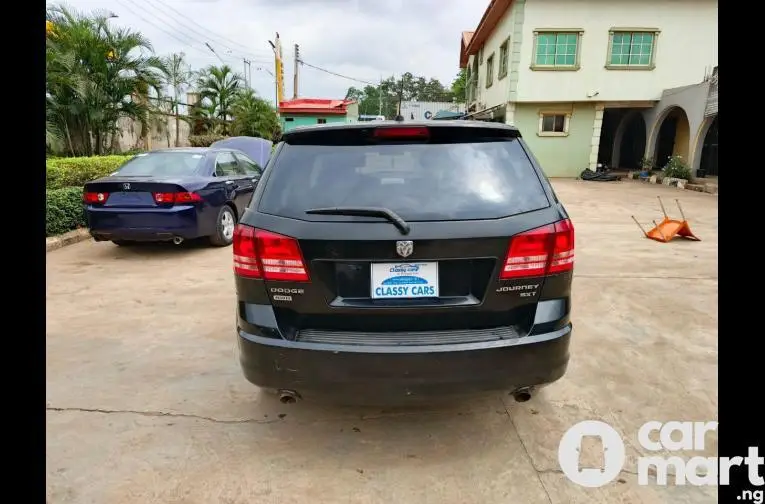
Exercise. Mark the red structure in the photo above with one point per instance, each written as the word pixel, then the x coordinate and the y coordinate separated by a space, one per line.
pixel 314 106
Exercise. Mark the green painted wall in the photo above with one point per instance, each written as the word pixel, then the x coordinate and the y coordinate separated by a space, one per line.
pixel 559 156
pixel 305 120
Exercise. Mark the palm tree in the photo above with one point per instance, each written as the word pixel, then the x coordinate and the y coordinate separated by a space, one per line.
pixel 254 116
pixel 177 75
pixel 95 75
pixel 220 86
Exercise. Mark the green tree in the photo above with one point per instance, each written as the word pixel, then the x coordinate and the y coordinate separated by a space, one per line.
pixel 219 87
pixel 385 97
pixel 459 86
pixel 254 116
pixel 177 75
pixel 96 74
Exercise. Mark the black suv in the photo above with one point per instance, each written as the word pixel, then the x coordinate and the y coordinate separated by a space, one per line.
pixel 398 260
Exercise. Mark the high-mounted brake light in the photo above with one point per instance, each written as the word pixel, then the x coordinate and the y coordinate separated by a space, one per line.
pixel 165 198
pixel 542 251
pixel 400 132
pixel 95 197
pixel 271 256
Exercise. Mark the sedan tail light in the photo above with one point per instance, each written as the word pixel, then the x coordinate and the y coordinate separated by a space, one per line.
pixel 95 198
pixel 176 198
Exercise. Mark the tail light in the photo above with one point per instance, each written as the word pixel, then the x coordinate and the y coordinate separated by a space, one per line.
pixel 95 197
pixel 542 251
pixel 271 256
pixel 398 132
pixel 170 198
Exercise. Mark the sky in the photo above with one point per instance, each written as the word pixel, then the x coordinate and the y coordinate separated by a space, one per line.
pixel 363 39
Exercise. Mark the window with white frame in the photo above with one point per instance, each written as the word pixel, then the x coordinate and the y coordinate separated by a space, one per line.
pixel 490 70
pixel 553 123
pixel 503 58
pixel 556 49
pixel 631 48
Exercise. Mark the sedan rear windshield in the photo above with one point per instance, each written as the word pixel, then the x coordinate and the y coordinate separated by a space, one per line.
pixel 162 164
pixel 419 182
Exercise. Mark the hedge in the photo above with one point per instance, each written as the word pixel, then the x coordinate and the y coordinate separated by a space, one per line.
pixel 76 171
pixel 63 210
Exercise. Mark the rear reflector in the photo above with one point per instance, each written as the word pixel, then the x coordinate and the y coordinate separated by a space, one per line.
pixel 542 251
pixel 95 197
pixel 402 132
pixel 271 256
pixel 165 198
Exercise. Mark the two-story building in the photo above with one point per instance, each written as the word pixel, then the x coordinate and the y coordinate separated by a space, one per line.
pixel 589 81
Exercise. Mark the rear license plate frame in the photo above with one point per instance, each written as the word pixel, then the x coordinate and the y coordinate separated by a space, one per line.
pixel 404 280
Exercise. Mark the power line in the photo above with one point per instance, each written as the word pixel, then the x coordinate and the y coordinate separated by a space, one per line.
pixel 336 74
pixel 169 34
pixel 211 33
pixel 196 33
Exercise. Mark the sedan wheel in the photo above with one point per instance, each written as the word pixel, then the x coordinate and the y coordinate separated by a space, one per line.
pixel 224 234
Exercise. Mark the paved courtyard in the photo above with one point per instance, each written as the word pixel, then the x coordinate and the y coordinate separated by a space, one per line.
pixel 146 401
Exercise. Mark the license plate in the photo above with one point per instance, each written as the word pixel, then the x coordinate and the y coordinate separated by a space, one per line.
pixel 404 280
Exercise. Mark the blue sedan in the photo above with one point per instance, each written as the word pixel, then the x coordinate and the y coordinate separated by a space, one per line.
pixel 173 195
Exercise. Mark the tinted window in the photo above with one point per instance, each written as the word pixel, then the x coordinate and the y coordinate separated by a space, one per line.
pixel 162 164
pixel 250 166
pixel 226 164
pixel 457 181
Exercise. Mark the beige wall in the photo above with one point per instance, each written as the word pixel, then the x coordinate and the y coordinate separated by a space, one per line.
pixel 162 134
pixel 563 156
pixel 686 48
pixel 499 91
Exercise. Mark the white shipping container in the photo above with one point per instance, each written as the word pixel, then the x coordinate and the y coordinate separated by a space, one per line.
pixel 419 111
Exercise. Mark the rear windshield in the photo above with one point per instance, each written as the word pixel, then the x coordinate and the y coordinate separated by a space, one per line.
pixel 162 163
pixel 458 181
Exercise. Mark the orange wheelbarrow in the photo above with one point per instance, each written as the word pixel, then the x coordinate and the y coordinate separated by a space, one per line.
pixel 668 228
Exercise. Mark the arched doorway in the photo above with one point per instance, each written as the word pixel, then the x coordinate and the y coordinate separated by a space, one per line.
pixel 632 144
pixel 673 138
pixel 709 150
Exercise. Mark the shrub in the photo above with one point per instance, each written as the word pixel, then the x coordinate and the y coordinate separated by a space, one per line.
pixel 76 171
pixel 647 164
pixel 204 140
pixel 63 210
pixel 676 168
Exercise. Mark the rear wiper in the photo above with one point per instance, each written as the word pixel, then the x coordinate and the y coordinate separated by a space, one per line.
pixel 365 212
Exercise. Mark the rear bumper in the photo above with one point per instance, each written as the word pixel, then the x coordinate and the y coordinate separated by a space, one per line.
pixel 401 373
pixel 144 224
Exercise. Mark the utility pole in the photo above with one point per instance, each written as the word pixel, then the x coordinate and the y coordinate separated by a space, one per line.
pixel 295 78
pixel 400 96
pixel 247 73
pixel 379 97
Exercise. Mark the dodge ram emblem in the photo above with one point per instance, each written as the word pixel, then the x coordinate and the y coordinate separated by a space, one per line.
pixel 126 186
pixel 404 248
